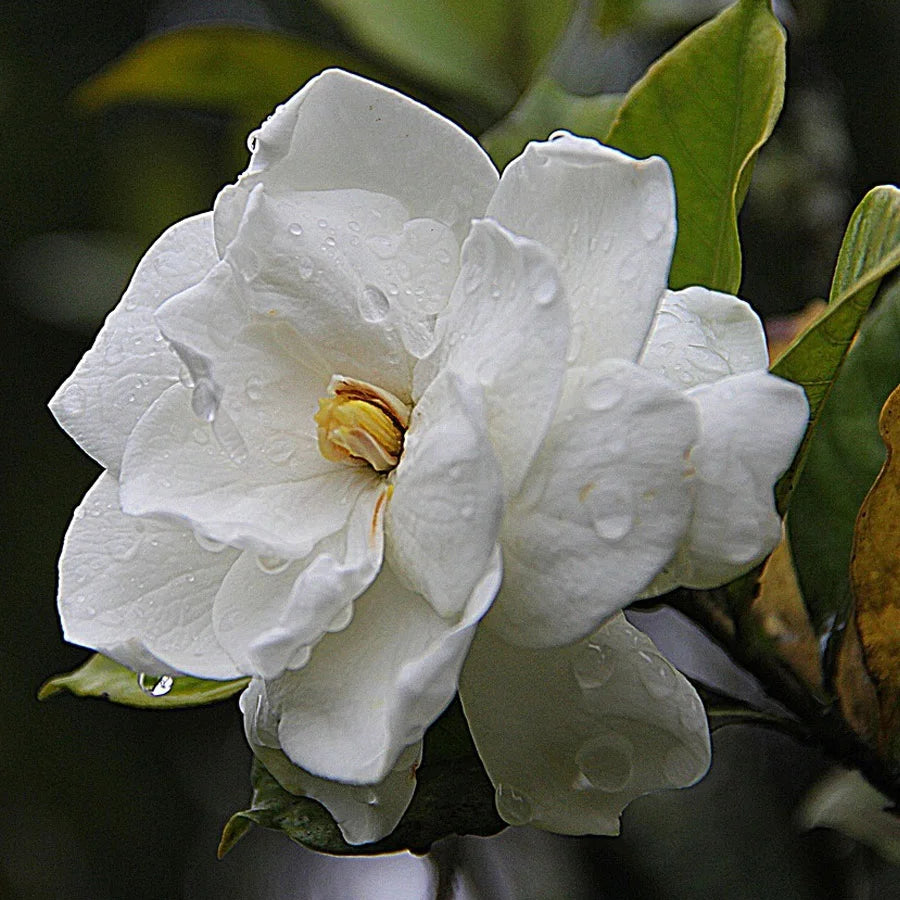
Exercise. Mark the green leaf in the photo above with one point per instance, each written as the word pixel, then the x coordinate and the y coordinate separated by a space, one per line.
pixel 231 68
pixel 869 252
pixel 845 455
pixel 453 796
pixel 707 107
pixel 101 677
pixel 545 108
pixel 488 51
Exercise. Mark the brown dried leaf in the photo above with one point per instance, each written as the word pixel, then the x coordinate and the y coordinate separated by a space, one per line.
pixel 875 579
pixel 782 615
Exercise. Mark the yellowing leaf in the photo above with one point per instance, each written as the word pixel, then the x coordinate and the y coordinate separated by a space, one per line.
pixel 875 578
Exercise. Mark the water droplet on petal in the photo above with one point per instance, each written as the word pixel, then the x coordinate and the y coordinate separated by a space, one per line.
pixel 373 304
pixel 205 399
pixel 680 766
pixel 295 228
pixel 305 268
pixel 545 291
pixel 73 400
pixel 253 387
pixel 155 686
pixel 208 543
pixel 593 665
pixel 613 524
pixel 323 223
pixel 603 394
pixel 658 677
pixel 272 565
pixel 513 805
pixel 607 762
pixel 352 225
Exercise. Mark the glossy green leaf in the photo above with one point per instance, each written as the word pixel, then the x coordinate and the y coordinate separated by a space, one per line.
pixel 101 677
pixel 453 796
pixel 845 455
pixel 488 51
pixel 870 251
pixel 235 69
pixel 544 109
pixel 707 107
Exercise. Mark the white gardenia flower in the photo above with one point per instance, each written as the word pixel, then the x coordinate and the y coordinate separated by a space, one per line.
pixel 424 430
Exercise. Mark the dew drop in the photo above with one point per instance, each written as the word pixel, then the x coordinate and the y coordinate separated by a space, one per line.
pixel 545 291
pixel 603 394
pixel 295 228
pixel 341 619
pixel 513 805
pixel 593 666
pixel 185 377
pixel 330 241
pixel 373 304
pixel 272 565
pixel 305 268
pixel 205 399
pixel 353 225
pixel 73 400
pixel 323 223
pixel 659 678
pixel 208 543
pixel 680 766
pixel 382 246
pixel 607 762
pixel 253 387
pixel 155 686
pixel 613 524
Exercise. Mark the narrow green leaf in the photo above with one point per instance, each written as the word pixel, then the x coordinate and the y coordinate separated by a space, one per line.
pixel 545 108
pixel 707 107
pixel 453 796
pixel 101 677
pixel 869 252
pixel 488 51
pixel 845 455
pixel 235 69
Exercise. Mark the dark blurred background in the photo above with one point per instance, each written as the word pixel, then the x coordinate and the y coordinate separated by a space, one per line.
pixel 101 802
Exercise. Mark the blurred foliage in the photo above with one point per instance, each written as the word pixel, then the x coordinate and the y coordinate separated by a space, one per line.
pixel 82 778
pixel 869 253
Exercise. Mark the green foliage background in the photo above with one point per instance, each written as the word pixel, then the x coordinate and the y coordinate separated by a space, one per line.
pixel 98 801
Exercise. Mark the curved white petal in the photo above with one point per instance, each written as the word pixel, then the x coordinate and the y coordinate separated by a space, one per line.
pixel 141 590
pixel 610 221
pixel 371 690
pixel 269 612
pixel 570 736
pixel 129 365
pixel 506 327
pixel 363 812
pixel 602 509
pixel 699 336
pixel 178 465
pixel 444 515
pixel 343 131
pixel 751 425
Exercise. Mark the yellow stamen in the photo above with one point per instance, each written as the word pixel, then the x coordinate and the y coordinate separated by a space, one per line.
pixel 360 423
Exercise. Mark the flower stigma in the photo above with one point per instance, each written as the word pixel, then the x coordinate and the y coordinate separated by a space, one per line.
pixel 359 423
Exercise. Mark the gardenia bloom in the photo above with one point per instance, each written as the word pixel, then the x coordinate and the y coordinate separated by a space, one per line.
pixel 424 430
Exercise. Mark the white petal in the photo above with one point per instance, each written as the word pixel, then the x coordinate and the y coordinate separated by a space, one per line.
pixel 602 509
pixel 506 327
pixel 699 336
pixel 443 518
pixel 270 611
pixel 372 690
pixel 751 425
pixel 140 589
pixel 129 365
pixel 342 131
pixel 570 736
pixel 352 273
pixel 276 503
pixel 364 813
pixel 610 221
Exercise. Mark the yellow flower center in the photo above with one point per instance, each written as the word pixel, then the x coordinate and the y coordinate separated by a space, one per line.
pixel 359 423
